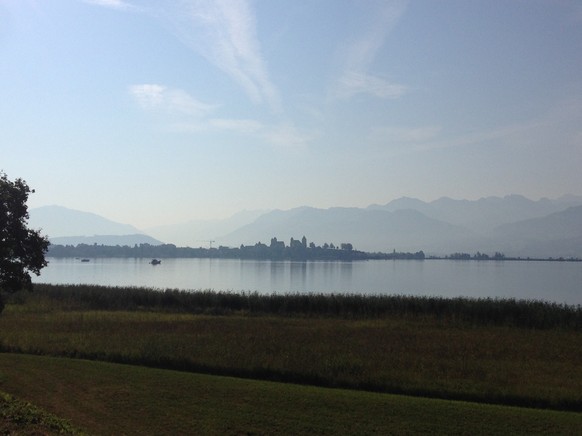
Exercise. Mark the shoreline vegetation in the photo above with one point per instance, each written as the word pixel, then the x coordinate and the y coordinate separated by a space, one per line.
pixel 298 250
pixel 507 352
pixel 508 312
pixel 96 358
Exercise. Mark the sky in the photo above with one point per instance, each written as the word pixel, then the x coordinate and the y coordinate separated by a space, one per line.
pixel 152 112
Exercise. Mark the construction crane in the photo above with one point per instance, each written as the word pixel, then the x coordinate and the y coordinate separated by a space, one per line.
pixel 209 242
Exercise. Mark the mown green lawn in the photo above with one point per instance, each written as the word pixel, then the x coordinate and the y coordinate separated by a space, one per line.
pixel 105 398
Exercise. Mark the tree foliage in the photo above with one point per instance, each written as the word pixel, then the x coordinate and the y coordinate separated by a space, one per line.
pixel 22 250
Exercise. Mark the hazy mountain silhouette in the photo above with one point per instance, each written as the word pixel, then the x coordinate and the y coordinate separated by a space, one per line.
pixel 439 227
pixel 68 226
pixel 58 221
pixel 485 214
pixel 368 230
pixel 121 240
pixel 513 224
pixel 198 233
pixel 557 234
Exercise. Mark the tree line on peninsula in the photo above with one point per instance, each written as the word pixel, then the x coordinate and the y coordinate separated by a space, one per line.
pixel 276 250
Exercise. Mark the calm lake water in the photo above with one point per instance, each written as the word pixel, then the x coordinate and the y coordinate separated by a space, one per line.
pixel 553 281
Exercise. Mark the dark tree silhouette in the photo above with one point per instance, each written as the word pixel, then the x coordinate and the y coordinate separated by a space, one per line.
pixel 22 250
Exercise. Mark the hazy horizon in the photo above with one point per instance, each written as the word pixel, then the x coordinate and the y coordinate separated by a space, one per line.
pixel 155 113
pixel 263 211
pixel 364 206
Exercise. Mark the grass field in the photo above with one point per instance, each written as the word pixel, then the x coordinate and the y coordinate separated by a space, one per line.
pixel 523 353
pixel 406 353
pixel 104 398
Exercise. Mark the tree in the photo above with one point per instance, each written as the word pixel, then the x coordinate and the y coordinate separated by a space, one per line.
pixel 22 250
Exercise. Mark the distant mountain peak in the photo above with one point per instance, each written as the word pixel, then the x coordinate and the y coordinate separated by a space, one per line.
pixel 110 240
pixel 56 221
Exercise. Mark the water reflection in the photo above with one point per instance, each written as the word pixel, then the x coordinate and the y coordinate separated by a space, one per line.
pixel 298 276
pixel 277 275
pixel 293 276
pixel 346 274
pixel 554 281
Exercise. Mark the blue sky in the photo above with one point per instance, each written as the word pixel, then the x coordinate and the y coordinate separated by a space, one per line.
pixel 157 112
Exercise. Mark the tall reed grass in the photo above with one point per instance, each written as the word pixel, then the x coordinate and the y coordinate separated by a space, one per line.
pixel 485 311
pixel 416 345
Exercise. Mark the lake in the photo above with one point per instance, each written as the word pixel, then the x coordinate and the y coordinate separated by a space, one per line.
pixel 552 281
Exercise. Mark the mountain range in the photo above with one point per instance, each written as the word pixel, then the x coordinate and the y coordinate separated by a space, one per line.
pixel 196 233
pixel 66 226
pixel 513 224
pixel 485 214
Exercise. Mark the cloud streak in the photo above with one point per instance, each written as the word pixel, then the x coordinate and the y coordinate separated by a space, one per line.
pixel 353 82
pixel 197 116
pixel 155 97
pixel 224 32
pixel 406 135
pixel 360 52
pixel 113 4
pixel 557 130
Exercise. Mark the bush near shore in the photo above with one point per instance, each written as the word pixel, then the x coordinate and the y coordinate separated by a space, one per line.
pixel 19 417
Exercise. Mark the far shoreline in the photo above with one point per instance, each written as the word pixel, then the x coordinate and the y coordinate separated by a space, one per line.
pixel 274 252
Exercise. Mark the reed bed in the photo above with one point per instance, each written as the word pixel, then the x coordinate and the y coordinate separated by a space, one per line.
pixel 404 348
pixel 486 311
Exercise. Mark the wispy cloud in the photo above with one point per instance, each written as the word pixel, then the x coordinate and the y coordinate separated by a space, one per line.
pixel 398 141
pixel 241 125
pixel 287 135
pixel 159 97
pixel 224 32
pixel 404 135
pixel 282 136
pixel 361 51
pixel 113 4
pixel 556 129
pixel 188 114
pixel 353 82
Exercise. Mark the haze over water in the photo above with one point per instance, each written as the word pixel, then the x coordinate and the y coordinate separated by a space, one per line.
pixel 559 282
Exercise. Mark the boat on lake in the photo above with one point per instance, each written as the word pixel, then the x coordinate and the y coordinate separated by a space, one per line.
pixel 155 262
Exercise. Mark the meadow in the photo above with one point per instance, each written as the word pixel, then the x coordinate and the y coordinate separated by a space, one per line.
pixel 105 398
pixel 505 352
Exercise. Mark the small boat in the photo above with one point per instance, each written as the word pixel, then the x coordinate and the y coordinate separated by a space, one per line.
pixel 85 260
pixel 155 262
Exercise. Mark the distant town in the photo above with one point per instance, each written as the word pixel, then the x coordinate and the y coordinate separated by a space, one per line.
pixel 297 249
